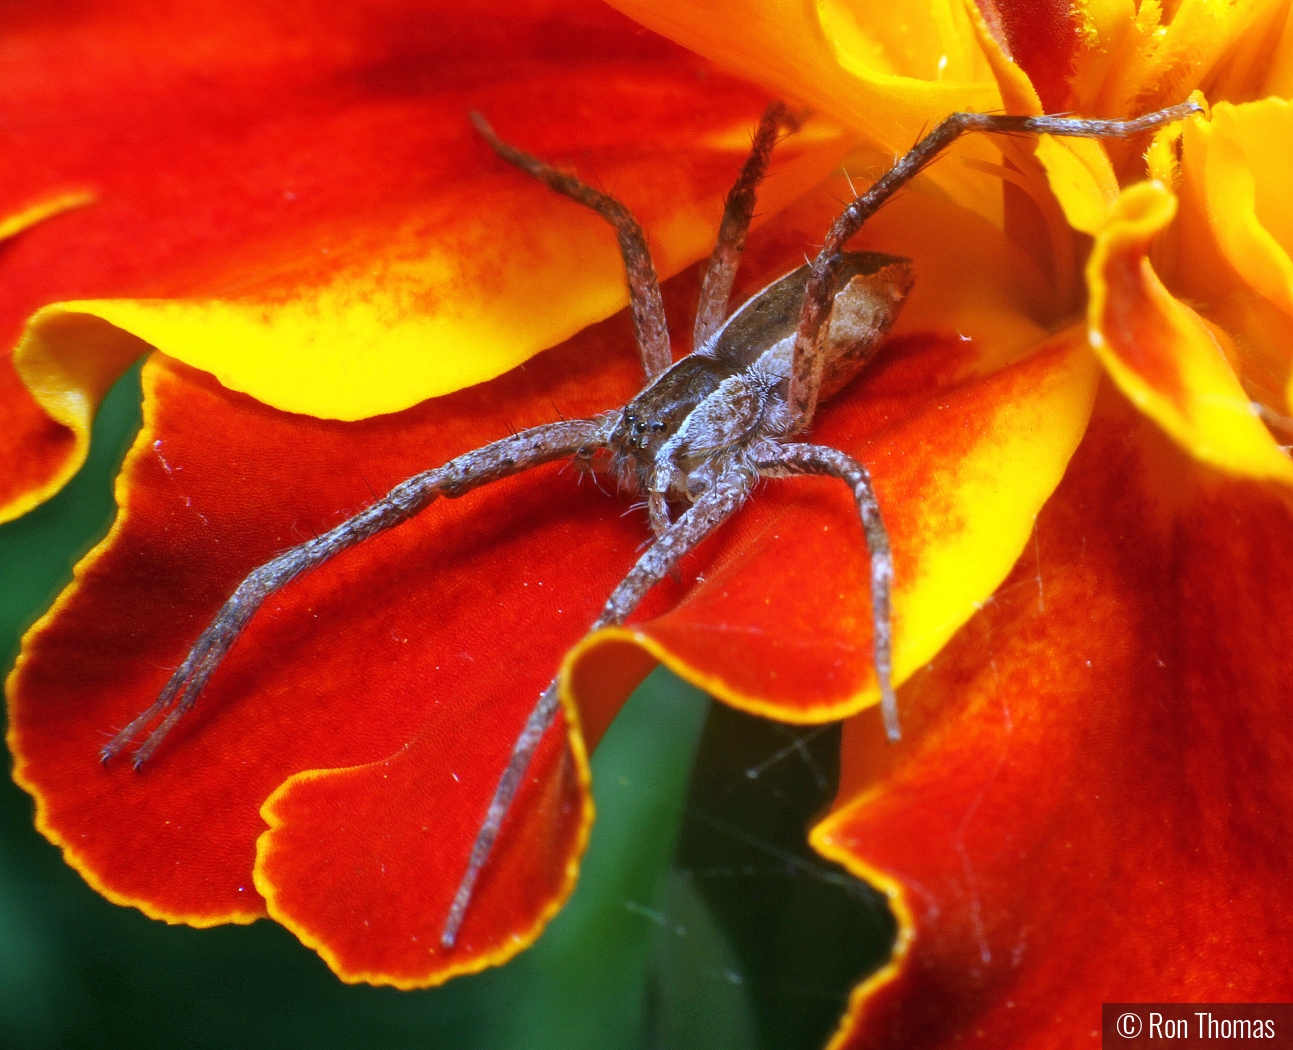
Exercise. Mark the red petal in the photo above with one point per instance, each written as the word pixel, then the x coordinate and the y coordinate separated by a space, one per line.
pixel 404 639
pixel 1091 802
pixel 293 198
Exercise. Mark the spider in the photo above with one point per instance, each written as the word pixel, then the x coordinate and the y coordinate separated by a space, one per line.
pixel 698 437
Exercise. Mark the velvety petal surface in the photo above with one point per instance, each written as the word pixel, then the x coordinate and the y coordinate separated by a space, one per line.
pixel 1090 802
pixel 407 646
pixel 293 199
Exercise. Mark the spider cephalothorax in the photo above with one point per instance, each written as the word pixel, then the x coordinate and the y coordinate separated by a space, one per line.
pixel 703 416
pixel 697 438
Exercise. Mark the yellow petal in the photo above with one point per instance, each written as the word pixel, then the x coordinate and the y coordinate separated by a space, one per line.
pixel 1279 75
pixel 1247 150
pixel 1082 179
pixel 1161 52
pixel 890 71
pixel 1229 248
pixel 1257 63
pixel 41 210
pixel 1162 355
pixel 407 309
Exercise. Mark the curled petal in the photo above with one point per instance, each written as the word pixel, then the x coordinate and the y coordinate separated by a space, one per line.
pixel 1040 40
pixel 1229 248
pixel 1163 356
pixel 1089 803
pixel 44 442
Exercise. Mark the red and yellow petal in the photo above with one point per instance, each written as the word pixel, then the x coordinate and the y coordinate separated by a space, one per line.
pixel 781 625
pixel 885 71
pixel 888 72
pixel 39 453
pixel 362 864
pixel 1163 355
pixel 395 664
pixel 365 688
pixel 295 201
pixel 1089 802
pixel 1040 42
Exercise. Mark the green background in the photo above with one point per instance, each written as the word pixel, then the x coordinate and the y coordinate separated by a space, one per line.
pixel 701 918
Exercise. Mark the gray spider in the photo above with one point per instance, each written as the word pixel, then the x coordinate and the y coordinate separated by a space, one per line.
pixel 699 436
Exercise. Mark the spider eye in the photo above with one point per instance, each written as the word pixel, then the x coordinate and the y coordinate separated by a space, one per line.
pixel 656 426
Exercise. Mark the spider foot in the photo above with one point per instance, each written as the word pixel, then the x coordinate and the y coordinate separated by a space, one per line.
pixel 127 736
pixel 174 702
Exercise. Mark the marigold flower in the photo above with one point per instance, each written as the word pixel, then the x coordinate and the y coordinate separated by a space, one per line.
pixel 1070 432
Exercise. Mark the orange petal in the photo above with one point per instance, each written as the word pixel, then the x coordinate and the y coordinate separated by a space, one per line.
pixel 1257 61
pixel 1162 355
pixel 961 467
pixel 1232 239
pixel 1277 70
pixel 890 72
pixel 883 70
pixel 1105 747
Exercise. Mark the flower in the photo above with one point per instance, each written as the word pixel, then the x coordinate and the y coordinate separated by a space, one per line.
pixel 1093 697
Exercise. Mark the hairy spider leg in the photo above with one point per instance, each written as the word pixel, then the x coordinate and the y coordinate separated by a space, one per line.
pixel 646 304
pixel 806 368
pixel 698 522
pixel 775 460
pixel 716 286
pixel 511 455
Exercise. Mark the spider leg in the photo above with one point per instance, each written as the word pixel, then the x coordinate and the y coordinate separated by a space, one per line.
pixel 700 519
pixel 716 288
pixel 658 513
pixel 776 460
pixel 645 301
pixel 509 456
pixel 806 368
